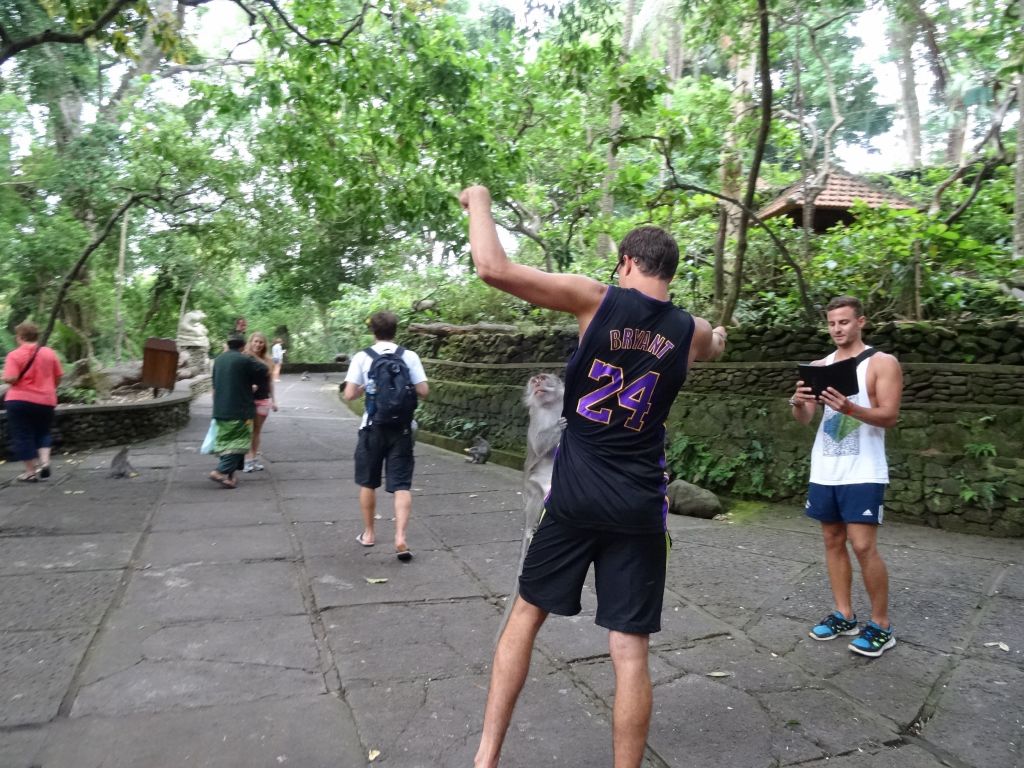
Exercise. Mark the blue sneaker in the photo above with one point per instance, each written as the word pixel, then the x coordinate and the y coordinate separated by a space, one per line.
pixel 873 640
pixel 832 626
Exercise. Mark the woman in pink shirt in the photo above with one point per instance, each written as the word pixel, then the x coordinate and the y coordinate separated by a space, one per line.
pixel 33 373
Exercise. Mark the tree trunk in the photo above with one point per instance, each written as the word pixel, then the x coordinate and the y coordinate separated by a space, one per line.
pixel 604 243
pixel 731 175
pixel 957 133
pixel 901 36
pixel 1018 199
pixel 119 291
pixel 764 128
pixel 719 252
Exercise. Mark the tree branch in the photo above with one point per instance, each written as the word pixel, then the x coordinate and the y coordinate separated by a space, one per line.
pixel 354 24
pixel 11 47
pixel 96 242
pixel 992 134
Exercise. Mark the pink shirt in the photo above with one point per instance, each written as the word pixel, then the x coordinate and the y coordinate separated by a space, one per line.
pixel 39 384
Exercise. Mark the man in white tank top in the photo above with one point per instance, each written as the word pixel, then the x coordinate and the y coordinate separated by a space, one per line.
pixel 849 474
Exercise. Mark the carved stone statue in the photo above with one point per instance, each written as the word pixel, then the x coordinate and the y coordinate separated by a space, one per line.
pixel 191 331
pixel 194 342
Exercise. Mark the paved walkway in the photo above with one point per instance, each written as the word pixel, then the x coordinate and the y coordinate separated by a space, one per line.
pixel 161 621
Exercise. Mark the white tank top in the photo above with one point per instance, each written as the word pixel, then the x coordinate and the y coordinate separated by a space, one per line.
pixel 848 451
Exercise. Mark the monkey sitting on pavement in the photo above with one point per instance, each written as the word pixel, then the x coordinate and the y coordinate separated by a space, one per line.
pixel 543 398
pixel 119 465
pixel 479 452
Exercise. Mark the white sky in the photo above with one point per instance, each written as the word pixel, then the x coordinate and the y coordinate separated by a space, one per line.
pixel 890 152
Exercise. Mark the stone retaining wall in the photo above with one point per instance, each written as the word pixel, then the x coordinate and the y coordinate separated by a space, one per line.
pixel 956 457
pixel 998 343
pixel 77 427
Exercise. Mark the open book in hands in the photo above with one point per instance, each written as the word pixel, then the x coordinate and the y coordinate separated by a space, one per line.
pixel 841 376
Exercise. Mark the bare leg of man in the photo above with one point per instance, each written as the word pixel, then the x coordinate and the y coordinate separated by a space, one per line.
pixel 864 539
pixel 403 509
pixel 368 506
pixel 840 570
pixel 631 715
pixel 508 673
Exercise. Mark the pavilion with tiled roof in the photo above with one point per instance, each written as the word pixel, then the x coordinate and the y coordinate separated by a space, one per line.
pixel 833 205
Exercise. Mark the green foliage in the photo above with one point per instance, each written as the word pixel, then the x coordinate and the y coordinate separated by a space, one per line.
pixel 77 395
pixel 697 462
pixel 979 450
pixel 465 429
pixel 318 184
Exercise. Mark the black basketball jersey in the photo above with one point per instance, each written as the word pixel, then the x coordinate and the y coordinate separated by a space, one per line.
pixel 619 385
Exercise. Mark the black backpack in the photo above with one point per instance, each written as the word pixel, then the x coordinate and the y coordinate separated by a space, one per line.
pixel 394 401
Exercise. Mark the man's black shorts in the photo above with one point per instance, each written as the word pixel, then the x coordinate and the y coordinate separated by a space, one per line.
pixel 629 574
pixel 378 446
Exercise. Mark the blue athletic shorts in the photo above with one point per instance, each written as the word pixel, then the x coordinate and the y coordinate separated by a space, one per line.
pixel 854 503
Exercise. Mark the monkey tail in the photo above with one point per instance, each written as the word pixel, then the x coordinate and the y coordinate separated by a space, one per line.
pixel 530 522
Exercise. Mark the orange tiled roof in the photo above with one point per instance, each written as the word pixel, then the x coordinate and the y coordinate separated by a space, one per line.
pixel 840 191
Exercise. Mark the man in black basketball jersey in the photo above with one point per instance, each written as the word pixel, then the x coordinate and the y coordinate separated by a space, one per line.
pixel 607 504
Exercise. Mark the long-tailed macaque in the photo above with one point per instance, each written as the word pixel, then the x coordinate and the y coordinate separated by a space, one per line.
pixel 479 452
pixel 543 398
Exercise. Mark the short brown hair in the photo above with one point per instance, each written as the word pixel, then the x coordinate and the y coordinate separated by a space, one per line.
pixel 846 301
pixel 653 249
pixel 383 325
pixel 27 331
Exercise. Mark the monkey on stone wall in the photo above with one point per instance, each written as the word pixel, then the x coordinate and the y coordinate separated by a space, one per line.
pixel 543 398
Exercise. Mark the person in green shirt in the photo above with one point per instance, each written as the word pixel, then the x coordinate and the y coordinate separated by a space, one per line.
pixel 234 377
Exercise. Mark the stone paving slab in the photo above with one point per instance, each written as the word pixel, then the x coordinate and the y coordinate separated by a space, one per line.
pixel 195 517
pixel 211 546
pixel 899 756
pixel 493 564
pixel 35 671
pixel 236 628
pixel 467 481
pixel 18 749
pixel 1002 623
pixel 194 591
pixel 70 516
pixel 468 502
pixel 327 539
pixel 732 584
pixel 899 692
pixel 155 687
pixel 56 601
pixel 728 725
pixel 779 545
pixel 1012 583
pixel 941 569
pixel 38 554
pixel 342 580
pixel 978 717
pixel 480 528
pixel 342 507
pixel 309 731
pixel 411 641
pixel 836 724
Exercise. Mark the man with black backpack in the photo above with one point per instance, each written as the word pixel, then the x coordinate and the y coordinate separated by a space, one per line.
pixel 392 379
